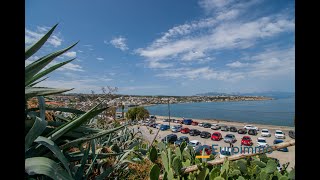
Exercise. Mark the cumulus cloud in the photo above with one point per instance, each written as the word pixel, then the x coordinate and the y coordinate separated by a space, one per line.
pixel 100 58
pixel 33 36
pixel 119 42
pixel 71 54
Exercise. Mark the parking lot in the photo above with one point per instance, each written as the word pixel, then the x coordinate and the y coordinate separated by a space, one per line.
pixel 282 156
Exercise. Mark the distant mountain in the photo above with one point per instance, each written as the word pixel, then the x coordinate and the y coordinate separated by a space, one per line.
pixel 273 94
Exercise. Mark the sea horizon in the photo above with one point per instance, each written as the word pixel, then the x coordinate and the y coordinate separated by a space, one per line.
pixel 278 112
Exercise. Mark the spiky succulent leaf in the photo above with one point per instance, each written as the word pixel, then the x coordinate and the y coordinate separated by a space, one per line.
pixel 55 149
pixel 38 127
pixel 36 46
pixel 42 91
pixel 45 166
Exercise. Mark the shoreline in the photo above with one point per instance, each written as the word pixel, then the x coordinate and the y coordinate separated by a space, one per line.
pixel 229 123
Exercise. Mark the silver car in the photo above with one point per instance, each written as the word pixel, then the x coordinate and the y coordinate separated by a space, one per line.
pixel 230 138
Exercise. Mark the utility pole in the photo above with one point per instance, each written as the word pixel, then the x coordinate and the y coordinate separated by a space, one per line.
pixel 169 110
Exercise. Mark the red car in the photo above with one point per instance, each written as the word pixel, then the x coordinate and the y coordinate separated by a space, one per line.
pixel 216 136
pixel 194 123
pixel 247 141
pixel 185 130
pixel 207 149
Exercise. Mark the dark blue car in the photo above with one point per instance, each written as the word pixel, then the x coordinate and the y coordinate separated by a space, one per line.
pixel 164 127
pixel 187 121
pixel 277 141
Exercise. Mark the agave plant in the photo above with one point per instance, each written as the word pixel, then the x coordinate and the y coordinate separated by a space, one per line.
pixel 48 143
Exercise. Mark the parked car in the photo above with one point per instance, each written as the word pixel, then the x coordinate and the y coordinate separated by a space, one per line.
pixel 194 144
pixel 145 123
pixel 261 142
pixel 176 128
pixel 201 124
pixel 207 125
pixel 205 134
pixel 225 151
pixel 279 134
pixel 233 129
pixel 277 141
pixel 154 125
pixel 185 130
pixel 292 134
pixel 247 127
pixel 158 126
pixel 170 138
pixel 224 128
pixel 194 123
pixel 194 132
pixel 215 126
pixel 216 136
pixel 180 140
pixel 187 121
pixel 242 131
pixel 246 141
pixel 166 120
pixel 176 121
pixel 252 132
pixel 230 138
pixel 265 133
pixel 164 127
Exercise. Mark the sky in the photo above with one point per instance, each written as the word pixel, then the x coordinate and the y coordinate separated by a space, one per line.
pixel 167 47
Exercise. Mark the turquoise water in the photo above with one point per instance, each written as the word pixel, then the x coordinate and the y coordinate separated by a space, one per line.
pixel 274 112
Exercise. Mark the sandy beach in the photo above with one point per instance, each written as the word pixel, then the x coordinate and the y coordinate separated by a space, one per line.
pixel 282 156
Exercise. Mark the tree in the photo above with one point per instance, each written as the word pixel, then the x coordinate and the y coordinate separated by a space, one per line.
pixel 137 113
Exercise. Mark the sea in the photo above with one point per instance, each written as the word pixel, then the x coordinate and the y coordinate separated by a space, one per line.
pixel 279 111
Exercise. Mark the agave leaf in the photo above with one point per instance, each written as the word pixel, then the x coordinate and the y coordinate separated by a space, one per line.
pixel 76 123
pixel 36 46
pixel 45 72
pixel 38 82
pixel 79 173
pixel 55 149
pixel 42 91
pixel 42 108
pixel 35 67
pixel 90 137
pixel 38 127
pixel 45 166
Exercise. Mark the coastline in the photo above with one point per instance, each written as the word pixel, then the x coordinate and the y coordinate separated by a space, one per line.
pixel 229 123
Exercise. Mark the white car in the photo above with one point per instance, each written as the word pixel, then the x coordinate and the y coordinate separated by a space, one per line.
pixel 248 127
pixel 158 126
pixel 265 133
pixel 194 144
pixel 279 134
pixel 201 124
pixel 176 128
pixel 261 142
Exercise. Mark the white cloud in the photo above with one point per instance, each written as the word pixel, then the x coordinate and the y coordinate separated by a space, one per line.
pixel 229 35
pixel 237 64
pixel 119 42
pixel 100 58
pixel 80 51
pixel 71 54
pixel 71 67
pixel 267 64
pixel 33 36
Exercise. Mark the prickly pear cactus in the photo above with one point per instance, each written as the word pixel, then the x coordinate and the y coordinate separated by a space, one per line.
pixel 162 146
pixel 178 154
pixel 154 172
pixel 153 154
pixel 215 172
pixel 177 165
pixel 165 161
pixel 259 163
pixel 203 174
pixel 271 166
pixel 186 163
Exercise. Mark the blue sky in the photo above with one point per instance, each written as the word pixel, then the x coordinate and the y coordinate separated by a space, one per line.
pixel 168 47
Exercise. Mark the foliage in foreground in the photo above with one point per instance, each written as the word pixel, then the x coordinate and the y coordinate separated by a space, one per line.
pixel 175 160
pixel 137 113
pixel 66 147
